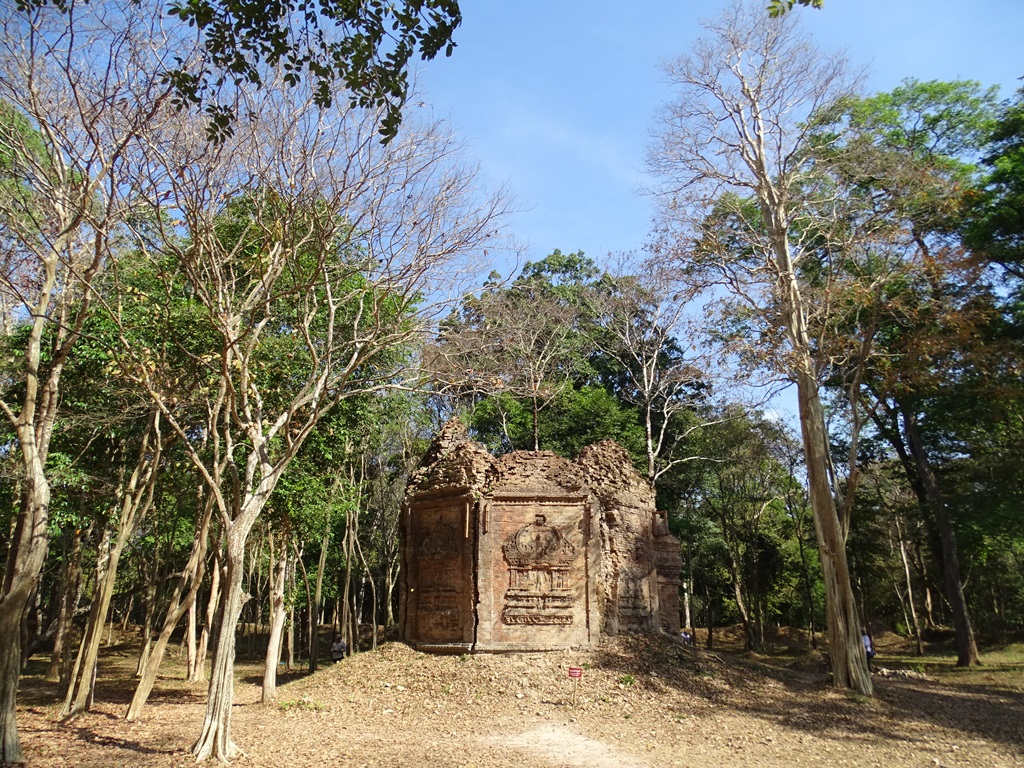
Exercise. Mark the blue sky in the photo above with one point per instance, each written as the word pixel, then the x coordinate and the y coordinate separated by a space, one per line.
pixel 557 98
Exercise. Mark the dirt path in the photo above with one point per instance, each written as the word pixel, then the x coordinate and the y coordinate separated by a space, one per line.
pixel 641 704
pixel 561 746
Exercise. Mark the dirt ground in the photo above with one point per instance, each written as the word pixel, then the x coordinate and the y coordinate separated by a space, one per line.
pixel 641 703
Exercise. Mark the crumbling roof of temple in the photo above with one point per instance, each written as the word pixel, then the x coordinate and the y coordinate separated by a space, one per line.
pixel 540 474
pixel 456 463
pixel 453 462
pixel 608 469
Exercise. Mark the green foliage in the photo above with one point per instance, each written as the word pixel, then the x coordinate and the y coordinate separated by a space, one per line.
pixel 995 226
pixel 366 46
pixel 779 7
pixel 573 420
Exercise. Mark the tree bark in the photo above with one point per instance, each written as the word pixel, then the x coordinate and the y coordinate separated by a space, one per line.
pixel 191 618
pixel 278 613
pixel 967 649
pixel 79 691
pixel 69 599
pixel 199 671
pixel 25 556
pixel 849 661
pixel 192 575
pixel 215 737
pixel 846 649
pixel 136 499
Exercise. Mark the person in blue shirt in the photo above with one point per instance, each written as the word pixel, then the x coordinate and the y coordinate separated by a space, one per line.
pixel 869 647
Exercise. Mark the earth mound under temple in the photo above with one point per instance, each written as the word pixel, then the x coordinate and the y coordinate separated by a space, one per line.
pixel 531 551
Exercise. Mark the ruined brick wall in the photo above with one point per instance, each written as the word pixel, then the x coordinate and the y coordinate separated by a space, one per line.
pixel 531 551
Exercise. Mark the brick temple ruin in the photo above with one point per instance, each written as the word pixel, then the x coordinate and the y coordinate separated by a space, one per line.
pixel 531 551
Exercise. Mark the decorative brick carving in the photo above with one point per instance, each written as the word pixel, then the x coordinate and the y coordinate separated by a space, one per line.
pixel 539 559
pixel 531 551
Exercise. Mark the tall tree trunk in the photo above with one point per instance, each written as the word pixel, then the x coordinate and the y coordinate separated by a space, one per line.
pixel 199 672
pixel 72 582
pixel 848 658
pixel 741 603
pixel 191 619
pixel 289 635
pixel 136 498
pixel 26 553
pixel 79 693
pixel 910 590
pixel 314 644
pixel 215 737
pixel 849 661
pixel 709 617
pixel 536 423
pixel 309 601
pixel 966 647
pixel 191 576
pixel 279 572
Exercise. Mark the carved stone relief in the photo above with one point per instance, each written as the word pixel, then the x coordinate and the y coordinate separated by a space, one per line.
pixel 539 559
pixel 531 551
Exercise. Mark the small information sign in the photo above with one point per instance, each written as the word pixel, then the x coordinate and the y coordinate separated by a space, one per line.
pixel 575 674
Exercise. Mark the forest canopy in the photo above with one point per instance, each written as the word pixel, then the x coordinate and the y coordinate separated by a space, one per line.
pixel 233 318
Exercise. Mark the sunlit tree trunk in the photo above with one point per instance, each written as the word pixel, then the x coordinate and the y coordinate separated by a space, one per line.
pixel 278 614
pixel 916 625
pixel 135 500
pixel 180 603
pixel 72 582
pixel 215 737
pixel 198 673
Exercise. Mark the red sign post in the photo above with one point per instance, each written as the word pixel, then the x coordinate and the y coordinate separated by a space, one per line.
pixel 575 674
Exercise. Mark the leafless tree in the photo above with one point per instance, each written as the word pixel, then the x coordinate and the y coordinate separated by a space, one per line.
pixel 734 150
pixel 317 258
pixel 76 87
pixel 519 341
pixel 641 320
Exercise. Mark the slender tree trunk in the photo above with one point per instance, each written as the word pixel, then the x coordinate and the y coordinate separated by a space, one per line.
pixel 741 603
pixel 191 576
pixel 215 737
pixel 688 590
pixel 191 618
pixel 279 572
pixel 390 580
pixel 126 616
pixel 80 691
pixel 966 645
pixel 910 590
pixel 290 634
pixel 69 599
pixel 199 672
pixel 709 618
pixel 314 643
pixel 309 602
pixel 136 498
pixel 536 424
